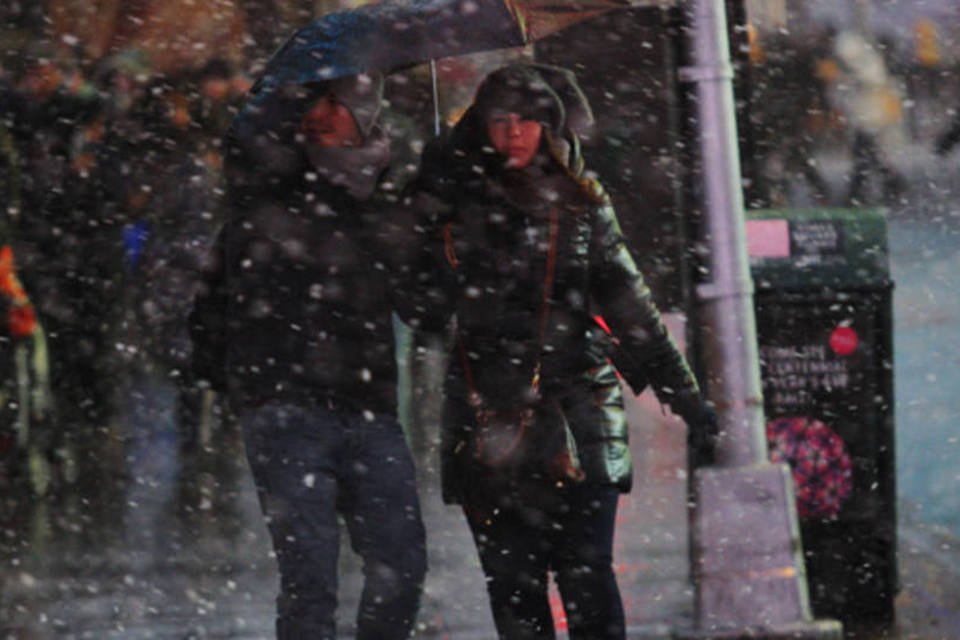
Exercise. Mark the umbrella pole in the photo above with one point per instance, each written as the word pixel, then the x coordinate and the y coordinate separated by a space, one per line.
pixel 436 99
pixel 745 550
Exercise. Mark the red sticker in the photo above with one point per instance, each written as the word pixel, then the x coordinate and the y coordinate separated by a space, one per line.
pixel 844 341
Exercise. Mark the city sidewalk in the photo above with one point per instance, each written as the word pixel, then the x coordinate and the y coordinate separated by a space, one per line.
pixel 142 572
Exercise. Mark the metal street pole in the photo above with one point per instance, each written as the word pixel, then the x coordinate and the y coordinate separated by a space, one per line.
pixel 727 296
pixel 747 565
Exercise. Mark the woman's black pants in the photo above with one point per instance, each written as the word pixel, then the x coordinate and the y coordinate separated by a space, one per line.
pixel 571 533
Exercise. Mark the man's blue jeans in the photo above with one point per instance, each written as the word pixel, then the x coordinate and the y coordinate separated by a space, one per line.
pixel 310 463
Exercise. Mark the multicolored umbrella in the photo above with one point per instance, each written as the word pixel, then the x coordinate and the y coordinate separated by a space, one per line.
pixel 389 36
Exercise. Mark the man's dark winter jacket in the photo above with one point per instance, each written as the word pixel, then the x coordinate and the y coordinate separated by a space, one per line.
pixel 298 300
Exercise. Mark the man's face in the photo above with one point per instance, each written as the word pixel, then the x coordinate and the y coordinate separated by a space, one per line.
pixel 329 123
pixel 515 137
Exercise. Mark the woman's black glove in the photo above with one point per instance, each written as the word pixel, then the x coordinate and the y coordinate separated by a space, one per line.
pixel 702 428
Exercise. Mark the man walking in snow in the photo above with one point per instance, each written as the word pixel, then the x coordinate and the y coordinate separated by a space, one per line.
pixel 295 325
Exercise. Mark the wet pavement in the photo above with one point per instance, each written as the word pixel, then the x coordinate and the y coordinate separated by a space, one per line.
pixel 150 568
pixel 169 560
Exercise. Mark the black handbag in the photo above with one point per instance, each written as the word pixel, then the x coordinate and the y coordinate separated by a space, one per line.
pixel 534 437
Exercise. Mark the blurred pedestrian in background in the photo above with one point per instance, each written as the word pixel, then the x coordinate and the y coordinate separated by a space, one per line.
pixel 47 102
pixel 787 110
pixel 871 100
pixel 25 400
pixel 172 212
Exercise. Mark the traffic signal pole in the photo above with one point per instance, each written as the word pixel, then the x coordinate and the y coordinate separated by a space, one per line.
pixel 746 554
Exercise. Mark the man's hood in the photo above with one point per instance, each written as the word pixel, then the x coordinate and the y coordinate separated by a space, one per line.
pixel 265 140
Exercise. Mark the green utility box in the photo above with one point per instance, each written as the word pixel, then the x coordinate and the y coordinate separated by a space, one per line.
pixel 825 331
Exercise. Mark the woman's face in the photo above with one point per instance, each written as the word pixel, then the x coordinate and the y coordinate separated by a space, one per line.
pixel 516 138
pixel 329 123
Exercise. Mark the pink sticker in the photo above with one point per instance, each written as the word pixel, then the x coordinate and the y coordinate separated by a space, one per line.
pixel 768 238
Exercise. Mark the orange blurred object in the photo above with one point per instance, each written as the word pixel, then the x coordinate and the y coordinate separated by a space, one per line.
pixel 927 43
pixel 21 318
pixel 179 110
pixel 827 70
pixel 42 79
pixel 175 35
pixel 22 321
pixel 755 51
pixel 9 285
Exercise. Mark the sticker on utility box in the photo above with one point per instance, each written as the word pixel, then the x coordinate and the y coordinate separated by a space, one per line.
pixel 768 238
pixel 806 240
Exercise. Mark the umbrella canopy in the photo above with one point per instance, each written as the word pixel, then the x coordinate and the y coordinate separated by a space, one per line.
pixel 388 36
